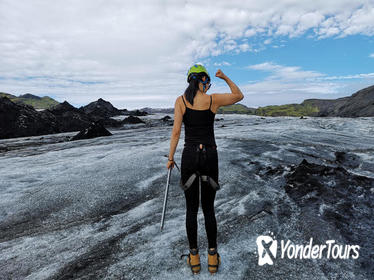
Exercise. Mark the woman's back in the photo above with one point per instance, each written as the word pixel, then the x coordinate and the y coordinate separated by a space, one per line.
pixel 199 123
pixel 200 102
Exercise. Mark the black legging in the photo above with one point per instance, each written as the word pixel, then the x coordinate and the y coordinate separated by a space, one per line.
pixel 194 159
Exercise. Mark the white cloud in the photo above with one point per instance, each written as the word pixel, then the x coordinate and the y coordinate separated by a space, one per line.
pixel 267 41
pixel 244 48
pixel 145 48
pixel 350 77
pixel 223 63
pixel 285 72
pixel 371 55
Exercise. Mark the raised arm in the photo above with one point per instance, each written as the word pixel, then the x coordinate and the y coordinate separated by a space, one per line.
pixel 223 99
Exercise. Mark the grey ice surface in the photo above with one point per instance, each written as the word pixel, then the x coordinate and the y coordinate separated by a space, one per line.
pixel 91 209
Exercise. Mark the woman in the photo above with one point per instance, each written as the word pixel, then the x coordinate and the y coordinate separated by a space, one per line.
pixel 199 158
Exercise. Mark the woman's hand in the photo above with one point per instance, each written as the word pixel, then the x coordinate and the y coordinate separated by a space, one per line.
pixel 170 164
pixel 220 74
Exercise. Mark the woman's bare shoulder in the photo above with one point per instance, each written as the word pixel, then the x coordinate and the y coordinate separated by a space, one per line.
pixel 179 103
pixel 178 99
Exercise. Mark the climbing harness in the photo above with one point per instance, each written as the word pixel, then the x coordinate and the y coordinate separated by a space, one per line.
pixel 201 153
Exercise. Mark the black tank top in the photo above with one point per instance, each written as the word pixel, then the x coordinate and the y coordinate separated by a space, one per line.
pixel 199 126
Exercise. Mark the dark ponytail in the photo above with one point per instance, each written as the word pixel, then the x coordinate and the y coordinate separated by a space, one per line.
pixel 193 87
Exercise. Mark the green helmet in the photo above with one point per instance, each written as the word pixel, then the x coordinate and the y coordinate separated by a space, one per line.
pixel 196 69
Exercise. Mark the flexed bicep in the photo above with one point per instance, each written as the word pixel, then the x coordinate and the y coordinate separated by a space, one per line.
pixel 223 99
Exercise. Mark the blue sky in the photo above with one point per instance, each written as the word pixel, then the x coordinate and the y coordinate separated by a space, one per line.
pixel 137 54
pixel 342 61
pixel 331 56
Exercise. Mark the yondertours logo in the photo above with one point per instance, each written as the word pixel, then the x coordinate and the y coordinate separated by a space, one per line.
pixel 267 247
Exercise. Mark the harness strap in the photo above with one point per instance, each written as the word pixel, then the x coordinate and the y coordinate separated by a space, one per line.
pixel 211 182
pixel 189 182
pixel 204 178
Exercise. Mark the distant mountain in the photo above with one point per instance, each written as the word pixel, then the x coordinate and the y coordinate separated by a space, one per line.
pixel 37 102
pixel 10 96
pixel 230 109
pixel 29 96
pixel 157 110
pixel 293 110
pixel 236 109
pixel 359 104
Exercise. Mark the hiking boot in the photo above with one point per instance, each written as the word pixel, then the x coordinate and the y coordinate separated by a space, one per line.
pixel 214 260
pixel 193 260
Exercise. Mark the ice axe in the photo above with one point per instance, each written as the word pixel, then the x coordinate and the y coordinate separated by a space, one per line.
pixel 166 195
pixel 165 199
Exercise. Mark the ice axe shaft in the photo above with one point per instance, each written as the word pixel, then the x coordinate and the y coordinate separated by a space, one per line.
pixel 165 199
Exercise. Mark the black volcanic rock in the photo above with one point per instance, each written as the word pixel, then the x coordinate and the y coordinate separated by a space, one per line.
pixel 343 199
pixel 63 107
pixel 95 129
pixel 124 111
pixel 347 159
pixel 101 109
pixel 132 120
pixel 166 118
pixel 70 118
pixel 109 122
pixel 18 120
pixel 138 113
